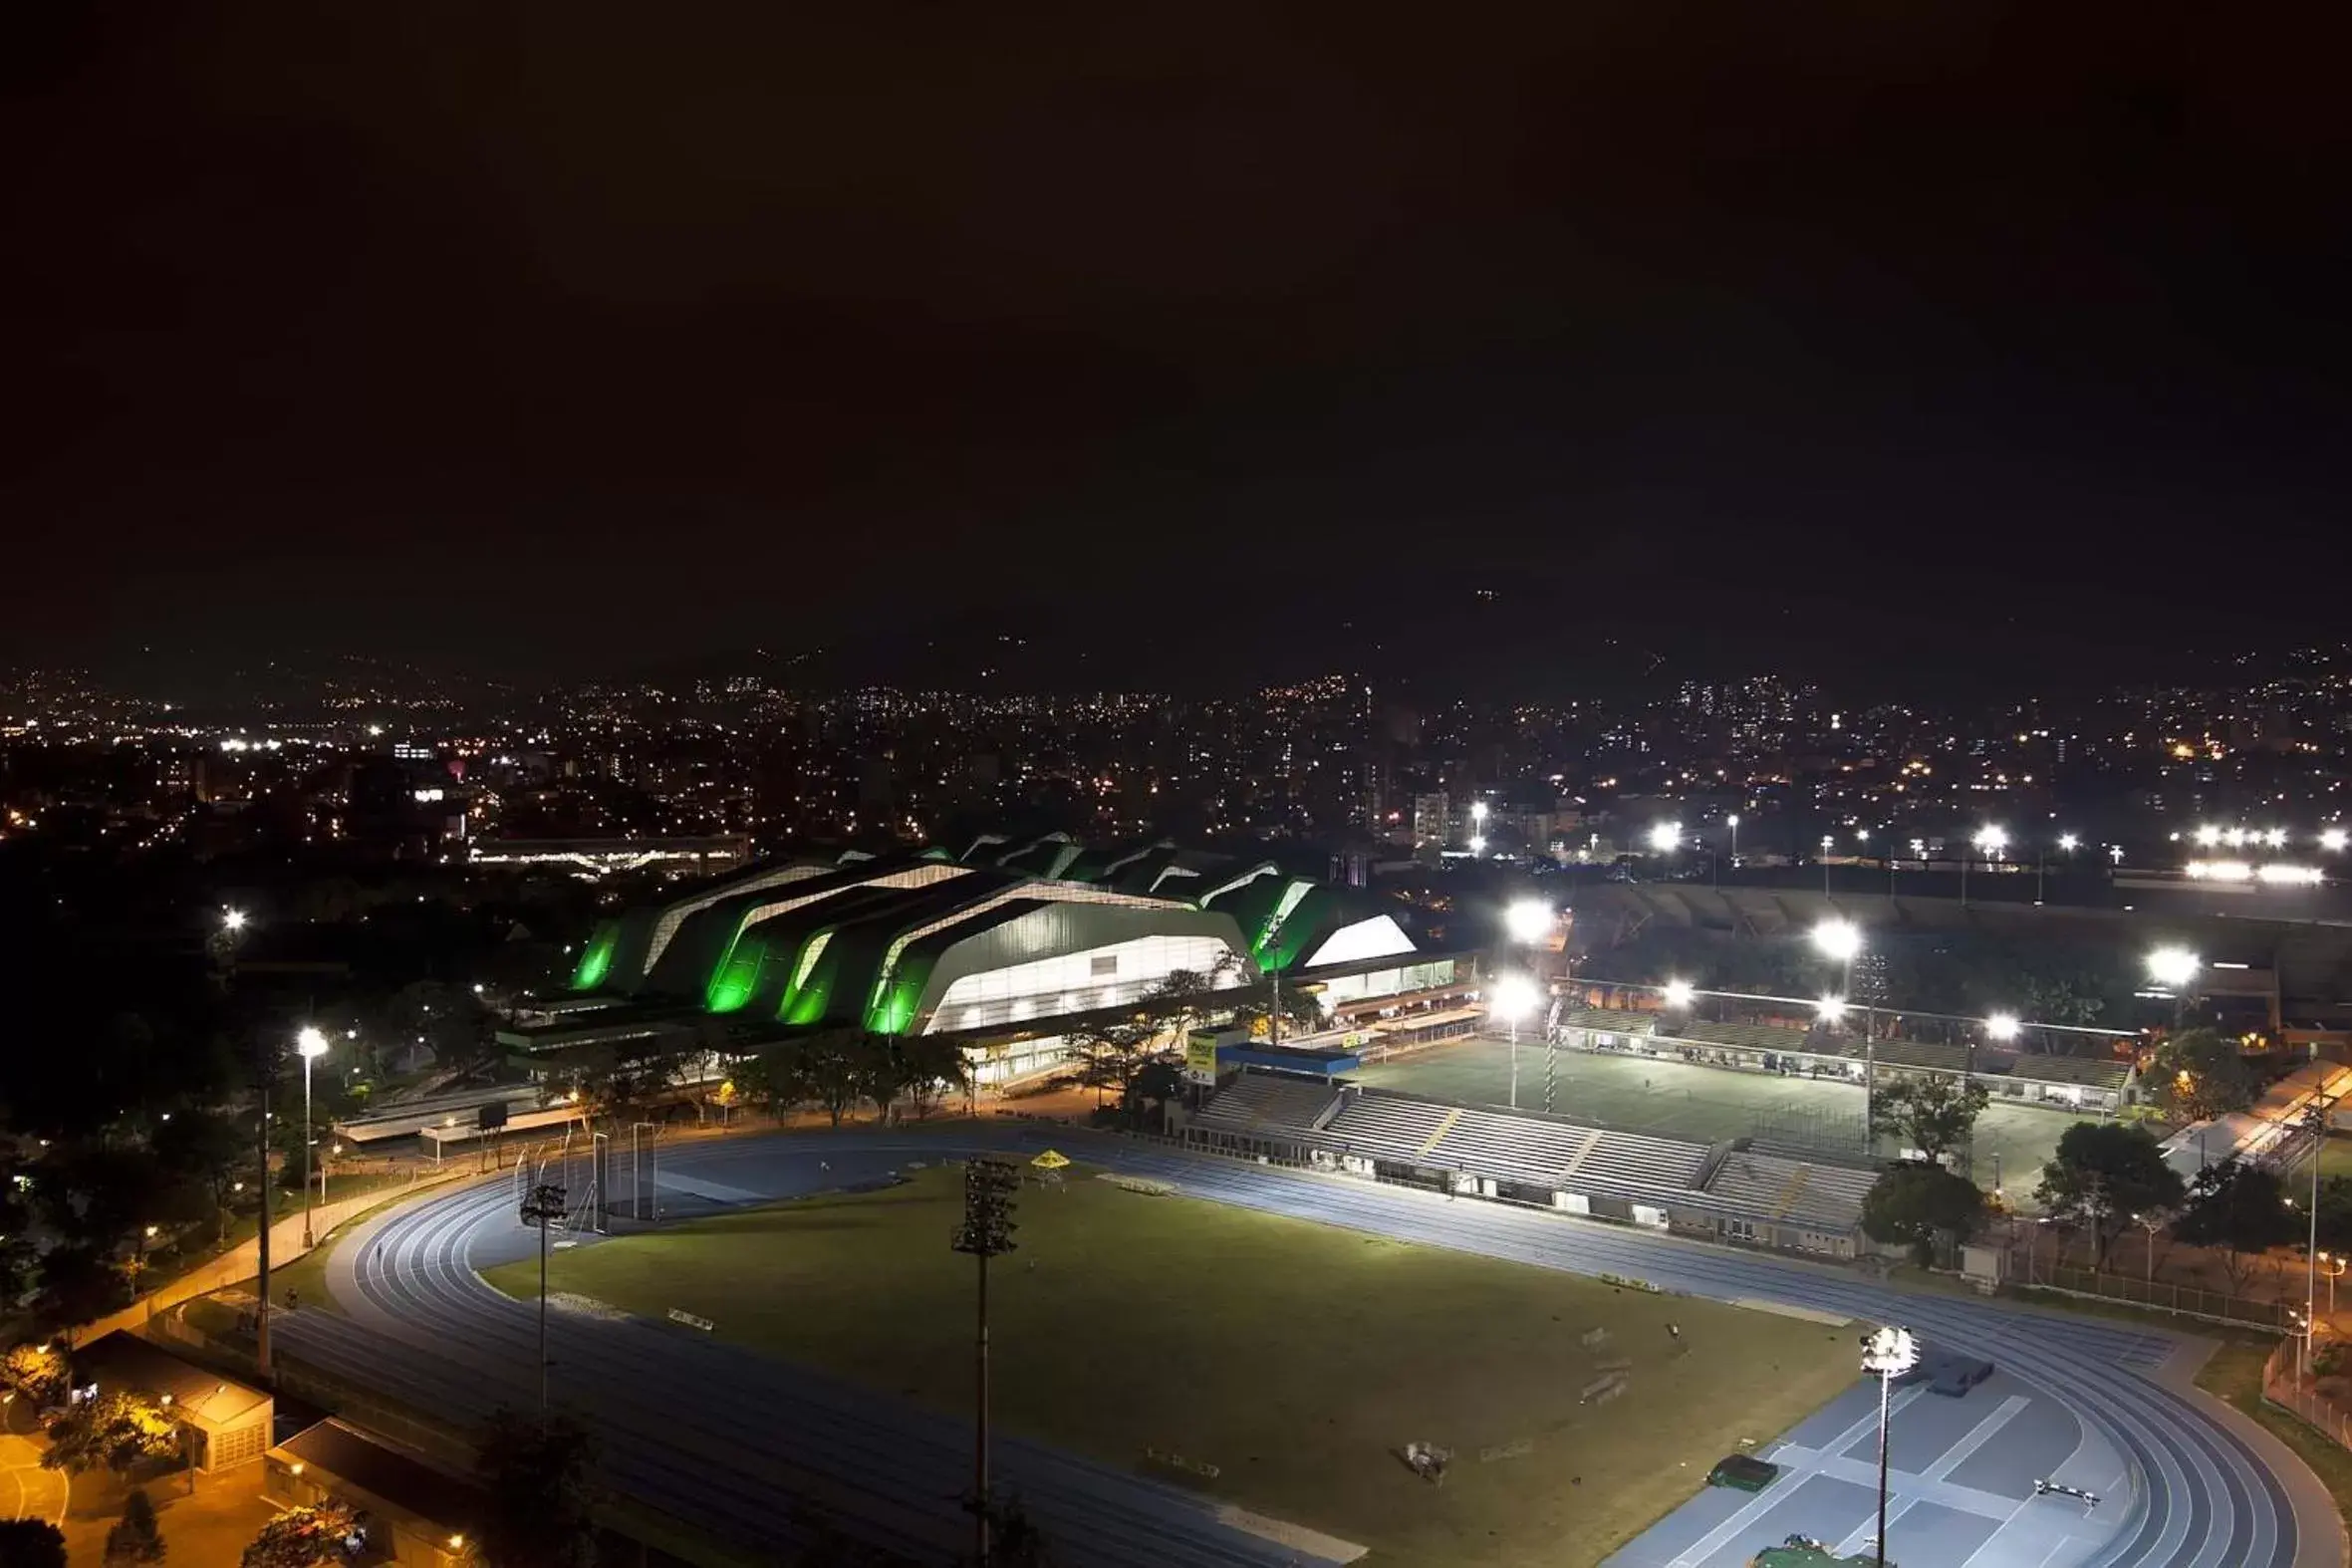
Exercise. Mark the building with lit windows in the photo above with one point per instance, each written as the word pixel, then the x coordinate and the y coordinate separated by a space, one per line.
pixel 1006 946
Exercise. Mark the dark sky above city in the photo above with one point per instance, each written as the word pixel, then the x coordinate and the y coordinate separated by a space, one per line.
pixel 575 337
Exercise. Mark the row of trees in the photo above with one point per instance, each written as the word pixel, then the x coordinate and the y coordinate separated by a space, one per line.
pixel 839 1070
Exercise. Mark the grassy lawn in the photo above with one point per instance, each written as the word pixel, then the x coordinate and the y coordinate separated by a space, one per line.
pixel 2236 1374
pixel 1674 1098
pixel 2335 1156
pixel 1294 1357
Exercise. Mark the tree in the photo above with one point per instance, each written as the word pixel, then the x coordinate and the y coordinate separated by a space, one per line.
pixel 1111 1054
pixel 1911 1203
pixel 35 1374
pixel 78 1284
pixel 304 1537
pixel 117 1431
pixel 2240 1208
pixel 540 1494
pixel 2105 1173
pixel 931 1067
pixel 2335 1213
pixel 1933 1111
pixel 204 1147
pixel 136 1537
pixel 2198 1075
pixel 31 1544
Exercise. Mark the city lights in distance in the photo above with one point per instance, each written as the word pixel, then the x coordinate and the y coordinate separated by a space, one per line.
pixel 2272 876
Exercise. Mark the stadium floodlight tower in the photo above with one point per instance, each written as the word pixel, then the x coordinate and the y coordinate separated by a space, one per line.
pixel 1666 836
pixel 1515 998
pixel 2176 969
pixel 311 1043
pixel 2002 1027
pixel 1887 1354
pixel 1988 840
pixel 1678 994
pixel 1528 920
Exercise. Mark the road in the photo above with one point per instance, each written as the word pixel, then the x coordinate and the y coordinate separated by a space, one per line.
pixel 715 1435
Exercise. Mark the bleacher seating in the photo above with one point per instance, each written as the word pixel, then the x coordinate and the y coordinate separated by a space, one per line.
pixel 1267 1103
pixel 1773 1187
pixel 1388 1127
pixel 1634 1166
pixel 1749 1036
pixel 1606 1020
pixel 2093 1071
pixel 1513 1148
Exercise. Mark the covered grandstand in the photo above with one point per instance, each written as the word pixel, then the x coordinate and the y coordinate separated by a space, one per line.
pixel 1005 945
pixel 1731 1192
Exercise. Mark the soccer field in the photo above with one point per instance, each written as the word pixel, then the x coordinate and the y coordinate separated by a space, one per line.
pixel 1704 1104
pixel 1296 1358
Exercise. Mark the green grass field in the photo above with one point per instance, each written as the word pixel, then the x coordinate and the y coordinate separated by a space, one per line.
pixel 2335 1156
pixel 1296 1358
pixel 1674 1099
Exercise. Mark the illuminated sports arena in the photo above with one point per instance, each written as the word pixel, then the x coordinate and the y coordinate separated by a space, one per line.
pixel 1006 947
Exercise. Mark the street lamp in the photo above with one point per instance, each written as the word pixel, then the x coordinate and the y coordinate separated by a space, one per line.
pixel 1889 1353
pixel 1515 998
pixel 1838 940
pixel 232 920
pixel 2332 1264
pixel 1679 993
pixel 1732 822
pixel 1666 836
pixel 2332 840
pixel 1477 843
pixel 311 1043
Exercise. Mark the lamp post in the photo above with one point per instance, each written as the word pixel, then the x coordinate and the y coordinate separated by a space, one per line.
pixel 1888 1353
pixel 2331 1268
pixel 1732 822
pixel 1827 840
pixel 312 1044
pixel 1841 941
pixel 1515 998
pixel 542 1207
pixel 986 1233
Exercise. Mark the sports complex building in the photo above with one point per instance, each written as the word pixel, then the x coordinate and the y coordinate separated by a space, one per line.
pixel 1006 947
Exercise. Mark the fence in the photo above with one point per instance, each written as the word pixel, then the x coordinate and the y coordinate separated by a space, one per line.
pixel 2160 1295
pixel 2306 1404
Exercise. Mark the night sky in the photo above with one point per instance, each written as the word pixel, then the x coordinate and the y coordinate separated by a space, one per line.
pixel 578 337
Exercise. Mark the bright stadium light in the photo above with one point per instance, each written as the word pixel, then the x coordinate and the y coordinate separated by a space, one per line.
pixel 1666 836
pixel 2332 840
pixel 1679 993
pixel 1515 997
pixel 1477 811
pixel 2235 837
pixel 1839 939
pixel 2069 842
pixel 232 919
pixel 1529 920
pixel 1477 843
pixel 1992 840
pixel 2174 967
pixel 2001 1026
pixel 1887 1354
pixel 2276 838
pixel 1831 1008
pixel 2209 835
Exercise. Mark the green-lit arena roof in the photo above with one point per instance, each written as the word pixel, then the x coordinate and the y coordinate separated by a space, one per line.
pixel 881 943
